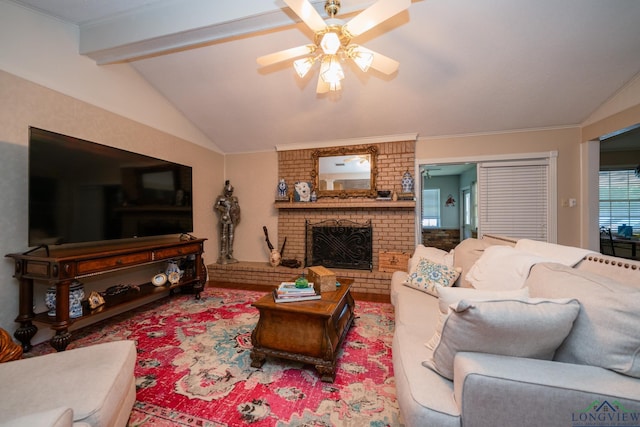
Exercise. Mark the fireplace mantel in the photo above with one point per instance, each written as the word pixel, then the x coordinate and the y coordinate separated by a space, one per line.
pixel 348 204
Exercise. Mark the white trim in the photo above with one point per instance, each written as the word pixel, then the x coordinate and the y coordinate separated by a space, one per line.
pixel 590 195
pixel 501 132
pixel 486 158
pixel 552 231
pixel 349 141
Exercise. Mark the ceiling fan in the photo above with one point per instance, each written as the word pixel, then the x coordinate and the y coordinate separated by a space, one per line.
pixel 332 42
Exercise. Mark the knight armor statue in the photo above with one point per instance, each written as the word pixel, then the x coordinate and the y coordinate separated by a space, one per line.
pixel 228 210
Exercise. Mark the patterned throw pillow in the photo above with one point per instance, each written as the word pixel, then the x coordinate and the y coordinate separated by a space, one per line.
pixel 428 274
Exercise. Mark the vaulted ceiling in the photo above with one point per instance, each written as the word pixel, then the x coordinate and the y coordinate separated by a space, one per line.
pixel 466 66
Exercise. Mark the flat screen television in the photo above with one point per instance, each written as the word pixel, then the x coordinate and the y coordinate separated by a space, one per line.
pixel 81 191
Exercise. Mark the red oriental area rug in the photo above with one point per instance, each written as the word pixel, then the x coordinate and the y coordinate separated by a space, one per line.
pixel 194 369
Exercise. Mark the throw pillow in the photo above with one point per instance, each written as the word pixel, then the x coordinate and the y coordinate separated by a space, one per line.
pixel 502 268
pixel 428 275
pixel 453 295
pixel 533 329
pixel 449 296
pixel 605 334
pixel 433 254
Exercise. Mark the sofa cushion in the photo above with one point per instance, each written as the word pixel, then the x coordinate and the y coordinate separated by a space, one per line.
pixel 605 333
pixel 428 275
pixel 449 296
pixel 502 268
pixel 533 329
pixel 466 253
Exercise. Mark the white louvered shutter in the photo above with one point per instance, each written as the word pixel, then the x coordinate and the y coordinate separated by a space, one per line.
pixel 514 199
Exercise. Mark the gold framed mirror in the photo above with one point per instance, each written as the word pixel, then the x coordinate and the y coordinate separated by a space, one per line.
pixel 345 172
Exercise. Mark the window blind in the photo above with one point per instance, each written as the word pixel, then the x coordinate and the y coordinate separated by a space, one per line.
pixel 514 199
pixel 619 199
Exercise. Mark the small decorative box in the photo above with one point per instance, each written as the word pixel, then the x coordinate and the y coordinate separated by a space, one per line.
pixel 323 279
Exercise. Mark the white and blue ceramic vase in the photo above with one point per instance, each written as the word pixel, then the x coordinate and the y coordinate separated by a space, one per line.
pixel 407 183
pixel 282 189
pixel 76 295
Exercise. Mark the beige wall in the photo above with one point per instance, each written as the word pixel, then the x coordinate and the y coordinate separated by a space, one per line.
pixel 254 177
pixel 565 141
pixel 27 104
pixel 60 90
pixel 44 50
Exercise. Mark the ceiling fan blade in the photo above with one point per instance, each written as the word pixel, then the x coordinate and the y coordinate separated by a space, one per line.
pixel 322 87
pixel 375 14
pixel 284 55
pixel 382 63
pixel 307 13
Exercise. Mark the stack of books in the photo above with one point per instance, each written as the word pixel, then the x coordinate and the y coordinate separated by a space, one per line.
pixel 288 292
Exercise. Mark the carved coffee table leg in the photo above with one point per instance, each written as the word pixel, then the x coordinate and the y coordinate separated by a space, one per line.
pixel 257 358
pixel 197 288
pixel 327 372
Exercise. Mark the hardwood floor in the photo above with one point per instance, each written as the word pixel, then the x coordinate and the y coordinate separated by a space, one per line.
pixel 261 288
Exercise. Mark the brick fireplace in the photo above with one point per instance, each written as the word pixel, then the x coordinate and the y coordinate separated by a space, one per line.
pixel 392 222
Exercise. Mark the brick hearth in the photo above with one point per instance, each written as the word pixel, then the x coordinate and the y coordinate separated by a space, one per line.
pixel 259 273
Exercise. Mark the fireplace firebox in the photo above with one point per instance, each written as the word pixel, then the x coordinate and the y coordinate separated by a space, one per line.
pixel 339 243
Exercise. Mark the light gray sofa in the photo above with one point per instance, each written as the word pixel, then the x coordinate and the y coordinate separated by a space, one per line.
pixel 89 386
pixel 593 373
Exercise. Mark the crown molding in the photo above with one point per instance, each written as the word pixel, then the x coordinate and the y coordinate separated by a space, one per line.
pixel 349 141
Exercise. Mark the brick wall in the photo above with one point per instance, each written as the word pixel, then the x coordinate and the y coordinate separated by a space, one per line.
pixel 394 159
pixel 393 228
pixel 445 239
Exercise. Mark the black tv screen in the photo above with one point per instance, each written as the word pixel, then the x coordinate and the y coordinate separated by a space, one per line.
pixel 81 191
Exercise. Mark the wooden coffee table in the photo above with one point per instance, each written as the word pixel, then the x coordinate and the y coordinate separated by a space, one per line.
pixel 305 331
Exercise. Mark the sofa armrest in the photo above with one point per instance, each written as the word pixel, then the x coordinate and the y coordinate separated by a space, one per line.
pixel 501 390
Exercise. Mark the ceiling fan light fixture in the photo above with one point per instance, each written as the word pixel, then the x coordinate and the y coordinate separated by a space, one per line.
pixel 362 59
pixel 333 37
pixel 330 43
pixel 302 66
pixel 331 72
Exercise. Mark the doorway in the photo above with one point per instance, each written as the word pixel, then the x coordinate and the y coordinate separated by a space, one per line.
pixel 509 195
pixel 445 218
pixel 619 194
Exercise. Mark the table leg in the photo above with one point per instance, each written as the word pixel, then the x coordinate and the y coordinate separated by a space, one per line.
pixel 257 358
pixel 27 330
pixel 62 338
pixel 24 333
pixel 327 372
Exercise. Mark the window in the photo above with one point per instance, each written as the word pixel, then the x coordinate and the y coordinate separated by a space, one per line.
pixel 431 208
pixel 619 199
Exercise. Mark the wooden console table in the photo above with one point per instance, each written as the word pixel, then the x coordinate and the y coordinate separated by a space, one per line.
pixel 61 266
pixel 306 331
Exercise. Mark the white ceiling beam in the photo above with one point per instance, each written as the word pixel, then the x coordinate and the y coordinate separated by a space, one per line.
pixel 175 24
